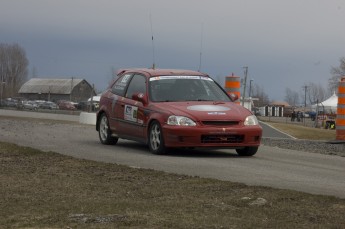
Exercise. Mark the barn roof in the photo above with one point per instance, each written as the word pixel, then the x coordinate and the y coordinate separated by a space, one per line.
pixel 53 86
pixel 280 103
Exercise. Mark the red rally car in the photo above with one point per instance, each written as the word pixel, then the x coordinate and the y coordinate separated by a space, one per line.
pixel 170 108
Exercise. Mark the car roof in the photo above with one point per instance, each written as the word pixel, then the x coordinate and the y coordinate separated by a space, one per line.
pixel 161 72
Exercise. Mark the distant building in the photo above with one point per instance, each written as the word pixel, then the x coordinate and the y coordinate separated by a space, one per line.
pixel 72 89
pixel 277 109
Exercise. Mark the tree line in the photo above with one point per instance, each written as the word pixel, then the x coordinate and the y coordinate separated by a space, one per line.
pixel 14 73
pixel 312 92
pixel 13 69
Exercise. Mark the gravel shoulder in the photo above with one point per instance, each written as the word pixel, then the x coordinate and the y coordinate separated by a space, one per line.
pixel 312 146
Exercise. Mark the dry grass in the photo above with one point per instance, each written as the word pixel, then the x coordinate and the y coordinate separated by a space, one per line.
pixel 303 132
pixel 48 190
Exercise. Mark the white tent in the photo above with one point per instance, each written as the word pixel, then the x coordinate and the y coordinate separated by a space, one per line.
pixel 95 98
pixel 329 105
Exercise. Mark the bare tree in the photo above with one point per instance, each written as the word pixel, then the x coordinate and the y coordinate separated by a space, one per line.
pixel 316 93
pixel 258 92
pixel 13 68
pixel 291 97
pixel 337 73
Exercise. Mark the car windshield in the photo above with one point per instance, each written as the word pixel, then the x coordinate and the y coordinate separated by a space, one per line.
pixel 185 88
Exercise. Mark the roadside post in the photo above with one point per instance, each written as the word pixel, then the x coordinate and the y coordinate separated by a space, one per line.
pixel 233 85
pixel 340 120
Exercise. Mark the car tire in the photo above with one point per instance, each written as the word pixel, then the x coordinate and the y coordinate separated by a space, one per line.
pixel 156 140
pixel 247 151
pixel 104 132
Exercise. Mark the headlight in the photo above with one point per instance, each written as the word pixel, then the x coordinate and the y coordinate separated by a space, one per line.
pixel 251 121
pixel 180 121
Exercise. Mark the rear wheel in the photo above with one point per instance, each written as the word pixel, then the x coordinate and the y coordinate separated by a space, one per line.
pixel 104 131
pixel 156 141
pixel 247 151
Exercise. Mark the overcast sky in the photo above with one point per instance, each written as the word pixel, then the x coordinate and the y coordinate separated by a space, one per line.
pixel 284 44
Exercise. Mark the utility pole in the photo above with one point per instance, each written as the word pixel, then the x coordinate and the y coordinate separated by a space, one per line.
pixel 70 95
pixel 1 89
pixel 250 87
pixel 305 95
pixel 153 46
pixel 305 100
pixel 49 94
pixel 91 98
pixel 2 82
pixel 245 84
pixel 202 31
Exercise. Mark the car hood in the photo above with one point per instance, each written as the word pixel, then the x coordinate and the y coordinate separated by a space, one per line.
pixel 207 110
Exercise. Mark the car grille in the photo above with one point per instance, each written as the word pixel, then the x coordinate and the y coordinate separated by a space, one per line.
pixel 222 138
pixel 220 123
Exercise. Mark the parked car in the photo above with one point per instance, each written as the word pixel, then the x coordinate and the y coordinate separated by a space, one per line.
pixel 83 106
pixel 66 105
pixel 30 105
pixel 49 105
pixel 9 102
pixel 88 106
pixel 311 115
pixel 167 108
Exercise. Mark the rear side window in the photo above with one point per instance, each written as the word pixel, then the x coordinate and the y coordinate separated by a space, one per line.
pixel 121 84
pixel 137 85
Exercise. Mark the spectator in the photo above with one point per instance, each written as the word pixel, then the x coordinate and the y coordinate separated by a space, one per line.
pixel 293 116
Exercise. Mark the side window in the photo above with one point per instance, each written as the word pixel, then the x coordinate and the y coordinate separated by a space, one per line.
pixel 120 85
pixel 137 85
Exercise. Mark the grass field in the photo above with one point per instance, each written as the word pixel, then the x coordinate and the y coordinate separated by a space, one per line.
pixel 49 190
pixel 303 132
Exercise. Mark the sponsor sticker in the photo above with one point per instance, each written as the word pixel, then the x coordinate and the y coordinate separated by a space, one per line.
pixel 131 113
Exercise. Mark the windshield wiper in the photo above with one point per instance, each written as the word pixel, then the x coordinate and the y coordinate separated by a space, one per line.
pixel 218 102
pixel 200 100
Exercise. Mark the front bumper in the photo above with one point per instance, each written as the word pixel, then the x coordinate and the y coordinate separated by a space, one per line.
pixel 212 137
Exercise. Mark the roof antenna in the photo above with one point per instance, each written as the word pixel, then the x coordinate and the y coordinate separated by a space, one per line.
pixel 202 31
pixel 153 46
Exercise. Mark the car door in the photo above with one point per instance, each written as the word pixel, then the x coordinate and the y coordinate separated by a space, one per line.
pixel 116 103
pixel 132 116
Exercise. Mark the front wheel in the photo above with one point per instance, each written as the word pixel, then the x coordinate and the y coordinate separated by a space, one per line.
pixel 104 131
pixel 247 151
pixel 156 141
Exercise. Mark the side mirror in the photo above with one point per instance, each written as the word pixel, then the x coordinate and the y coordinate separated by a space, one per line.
pixel 233 97
pixel 141 97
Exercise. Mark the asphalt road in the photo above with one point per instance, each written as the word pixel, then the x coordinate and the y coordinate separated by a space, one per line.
pixel 270 132
pixel 271 166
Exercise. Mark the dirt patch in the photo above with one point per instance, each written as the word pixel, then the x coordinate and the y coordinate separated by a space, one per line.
pixel 45 189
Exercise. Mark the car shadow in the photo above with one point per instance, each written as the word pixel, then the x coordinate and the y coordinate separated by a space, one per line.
pixel 182 152
pixel 136 147
pixel 202 153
